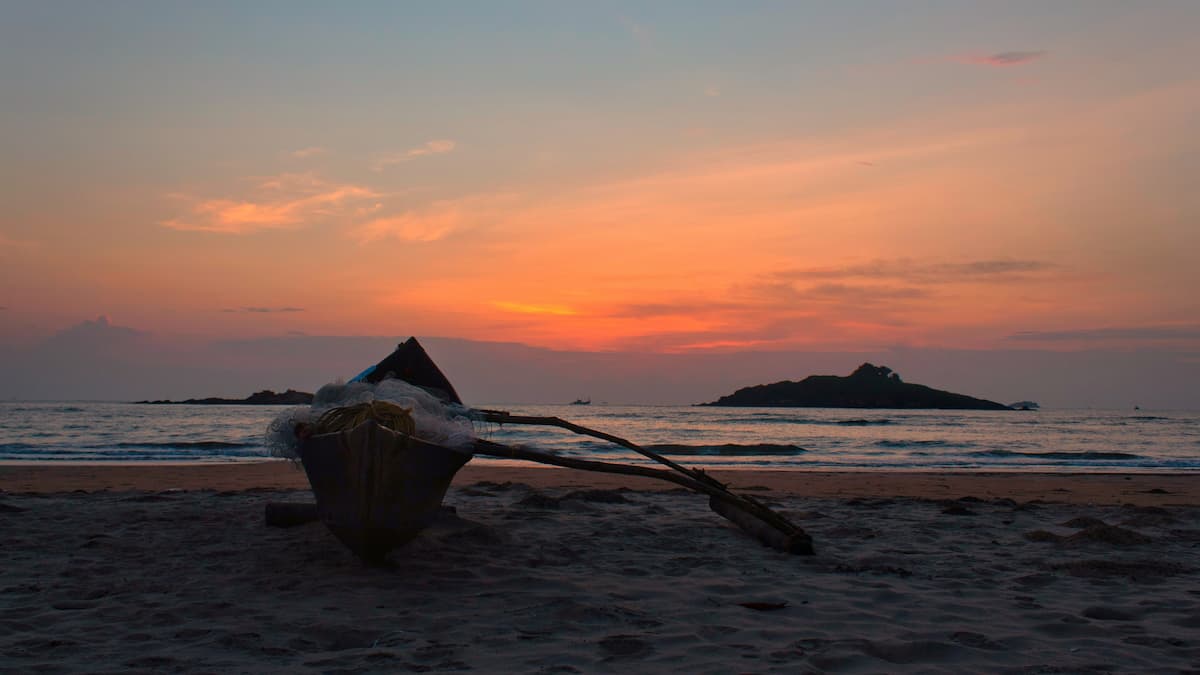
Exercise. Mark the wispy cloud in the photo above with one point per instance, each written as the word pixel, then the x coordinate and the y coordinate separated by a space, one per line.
pixel 435 147
pixel 916 272
pixel 821 305
pixel 436 220
pixel 281 202
pixel 1189 332
pixel 861 293
pixel 1000 59
pixel 429 224
pixel 679 308
pixel 729 330
pixel 769 315
pixel 881 299
pixel 265 310
pixel 311 151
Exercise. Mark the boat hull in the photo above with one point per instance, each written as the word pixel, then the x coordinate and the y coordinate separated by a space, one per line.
pixel 377 489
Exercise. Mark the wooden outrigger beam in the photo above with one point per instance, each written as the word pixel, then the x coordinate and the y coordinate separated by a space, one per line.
pixel 756 518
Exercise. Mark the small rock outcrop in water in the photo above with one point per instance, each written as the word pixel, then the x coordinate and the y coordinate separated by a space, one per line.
pixel 264 397
pixel 869 386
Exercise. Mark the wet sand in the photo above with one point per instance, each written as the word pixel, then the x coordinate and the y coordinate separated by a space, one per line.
pixel 1140 489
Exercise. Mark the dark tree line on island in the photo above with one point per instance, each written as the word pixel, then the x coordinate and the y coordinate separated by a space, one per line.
pixel 264 397
pixel 869 386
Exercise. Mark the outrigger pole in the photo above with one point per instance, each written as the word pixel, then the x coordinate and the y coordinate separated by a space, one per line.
pixel 756 518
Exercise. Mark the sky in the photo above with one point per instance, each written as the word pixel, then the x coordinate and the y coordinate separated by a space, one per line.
pixel 671 178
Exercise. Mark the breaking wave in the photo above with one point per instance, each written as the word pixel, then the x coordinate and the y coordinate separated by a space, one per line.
pixel 728 449
pixel 1086 455
pixel 183 445
pixel 914 444
pixel 777 420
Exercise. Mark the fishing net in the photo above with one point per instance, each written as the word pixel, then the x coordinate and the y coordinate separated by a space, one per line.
pixel 383 413
pixel 343 406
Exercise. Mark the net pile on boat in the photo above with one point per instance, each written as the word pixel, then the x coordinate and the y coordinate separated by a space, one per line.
pixel 340 407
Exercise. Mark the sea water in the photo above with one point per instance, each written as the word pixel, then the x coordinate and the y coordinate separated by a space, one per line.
pixel 796 438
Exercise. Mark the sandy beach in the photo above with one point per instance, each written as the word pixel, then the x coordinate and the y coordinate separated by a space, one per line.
pixel 161 568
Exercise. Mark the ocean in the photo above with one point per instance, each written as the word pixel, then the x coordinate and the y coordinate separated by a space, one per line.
pixel 792 438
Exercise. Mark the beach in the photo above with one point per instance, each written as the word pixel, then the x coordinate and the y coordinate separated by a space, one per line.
pixel 159 568
pixel 1144 489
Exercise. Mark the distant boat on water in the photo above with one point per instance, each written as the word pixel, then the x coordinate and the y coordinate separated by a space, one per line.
pixel 582 401
pixel 1024 405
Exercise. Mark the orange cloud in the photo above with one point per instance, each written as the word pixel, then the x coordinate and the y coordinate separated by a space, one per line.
pixel 430 224
pixel 439 219
pixel 286 201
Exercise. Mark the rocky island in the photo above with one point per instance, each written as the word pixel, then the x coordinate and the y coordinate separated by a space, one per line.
pixel 869 386
pixel 264 397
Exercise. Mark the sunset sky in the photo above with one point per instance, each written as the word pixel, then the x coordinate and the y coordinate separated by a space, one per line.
pixel 663 177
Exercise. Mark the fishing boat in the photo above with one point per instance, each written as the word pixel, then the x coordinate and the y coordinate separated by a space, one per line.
pixel 378 483
pixel 376 487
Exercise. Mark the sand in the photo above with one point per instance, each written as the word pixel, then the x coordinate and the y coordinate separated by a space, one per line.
pixel 171 568
pixel 1141 489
